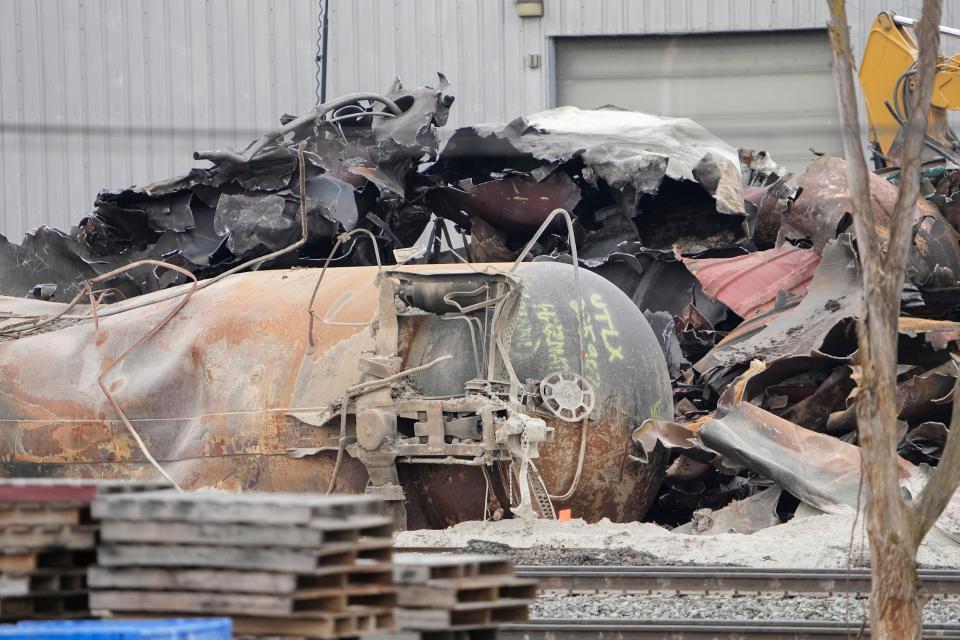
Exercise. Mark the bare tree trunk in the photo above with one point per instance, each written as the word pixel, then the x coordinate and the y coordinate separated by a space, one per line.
pixel 894 525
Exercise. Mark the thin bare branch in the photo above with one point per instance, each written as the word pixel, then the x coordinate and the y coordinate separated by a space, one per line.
pixel 945 477
pixel 901 229
pixel 858 180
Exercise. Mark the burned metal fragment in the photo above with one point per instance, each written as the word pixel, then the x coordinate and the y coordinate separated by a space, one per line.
pixel 802 330
pixel 641 178
pixel 821 211
pixel 740 516
pixel 361 151
pixel 749 284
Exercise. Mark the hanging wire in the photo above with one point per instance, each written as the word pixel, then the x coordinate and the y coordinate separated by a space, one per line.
pixel 320 91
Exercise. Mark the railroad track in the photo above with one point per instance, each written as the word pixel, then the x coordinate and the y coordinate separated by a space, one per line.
pixel 712 580
pixel 607 629
pixel 733 580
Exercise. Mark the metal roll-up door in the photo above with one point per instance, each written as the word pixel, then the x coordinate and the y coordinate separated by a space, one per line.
pixel 761 90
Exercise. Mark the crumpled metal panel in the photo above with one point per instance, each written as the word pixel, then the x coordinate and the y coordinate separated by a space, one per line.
pixel 833 296
pixel 629 148
pixel 641 178
pixel 923 395
pixel 512 203
pixel 740 516
pixel 750 284
pixel 940 334
pixel 238 209
pixel 818 469
pixel 821 470
pixel 821 212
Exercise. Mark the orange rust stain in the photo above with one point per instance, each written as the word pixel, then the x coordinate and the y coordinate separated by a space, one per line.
pixel 65 442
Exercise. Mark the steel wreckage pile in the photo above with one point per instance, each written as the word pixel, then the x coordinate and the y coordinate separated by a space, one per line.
pixel 604 311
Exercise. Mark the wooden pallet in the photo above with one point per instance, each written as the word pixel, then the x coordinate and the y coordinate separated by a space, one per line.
pixel 419 568
pixel 41 581
pixel 445 593
pixel 48 535
pixel 469 634
pixel 349 529
pixel 459 593
pixel 279 564
pixel 303 561
pixel 20 560
pixel 63 490
pixel 71 604
pixel 256 508
pixel 469 615
pixel 43 513
pixel 342 625
pixel 235 581
pixel 56 502
pixel 463 634
pixel 320 626
pixel 307 603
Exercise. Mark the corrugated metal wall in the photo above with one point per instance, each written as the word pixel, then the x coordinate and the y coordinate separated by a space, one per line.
pixel 108 93
pixel 481 45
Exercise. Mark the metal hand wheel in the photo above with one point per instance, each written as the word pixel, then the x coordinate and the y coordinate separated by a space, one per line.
pixel 567 395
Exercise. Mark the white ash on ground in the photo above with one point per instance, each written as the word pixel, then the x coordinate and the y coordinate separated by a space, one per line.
pixel 637 606
pixel 814 541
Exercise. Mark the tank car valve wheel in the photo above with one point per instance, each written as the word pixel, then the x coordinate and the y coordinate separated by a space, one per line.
pixel 567 395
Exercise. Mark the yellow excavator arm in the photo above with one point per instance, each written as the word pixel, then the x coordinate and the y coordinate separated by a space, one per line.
pixel 888 76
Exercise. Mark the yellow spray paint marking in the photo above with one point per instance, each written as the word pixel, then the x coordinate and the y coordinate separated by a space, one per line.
pixel 608 332
pixel 552 335
pixel 523 334
pixel 591 362
pixel 655 410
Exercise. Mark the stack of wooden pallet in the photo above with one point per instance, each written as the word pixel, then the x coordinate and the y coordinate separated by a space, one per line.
pixel 446 597
pixel 300 565
pixel 47 541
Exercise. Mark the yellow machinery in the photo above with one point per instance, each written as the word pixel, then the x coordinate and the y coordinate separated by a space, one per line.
pixel 887 77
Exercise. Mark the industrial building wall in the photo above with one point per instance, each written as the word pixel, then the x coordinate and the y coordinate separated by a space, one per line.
pixel 108 93
pixel 482 46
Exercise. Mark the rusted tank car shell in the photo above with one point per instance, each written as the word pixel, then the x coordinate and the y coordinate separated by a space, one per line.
pixel 232 383
pixel 210 393
pixel 623 363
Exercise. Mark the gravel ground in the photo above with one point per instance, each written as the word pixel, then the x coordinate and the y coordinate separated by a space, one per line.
pixel 815 541
pixel 540 556
pixel 720 607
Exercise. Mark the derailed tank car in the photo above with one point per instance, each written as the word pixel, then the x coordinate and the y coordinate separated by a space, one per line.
pixel 452 391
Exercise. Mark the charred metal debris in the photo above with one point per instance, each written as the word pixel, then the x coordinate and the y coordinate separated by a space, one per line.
pixel 361 151
pixel 747 275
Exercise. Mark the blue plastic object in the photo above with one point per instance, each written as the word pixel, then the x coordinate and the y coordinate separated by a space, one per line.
pixel 172 629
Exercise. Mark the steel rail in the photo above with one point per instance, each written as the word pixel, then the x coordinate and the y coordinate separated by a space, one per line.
pixel 607 629
pixel 736 580
pixel 711 579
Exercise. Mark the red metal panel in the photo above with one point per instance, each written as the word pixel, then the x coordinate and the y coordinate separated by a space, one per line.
pixel 749 284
